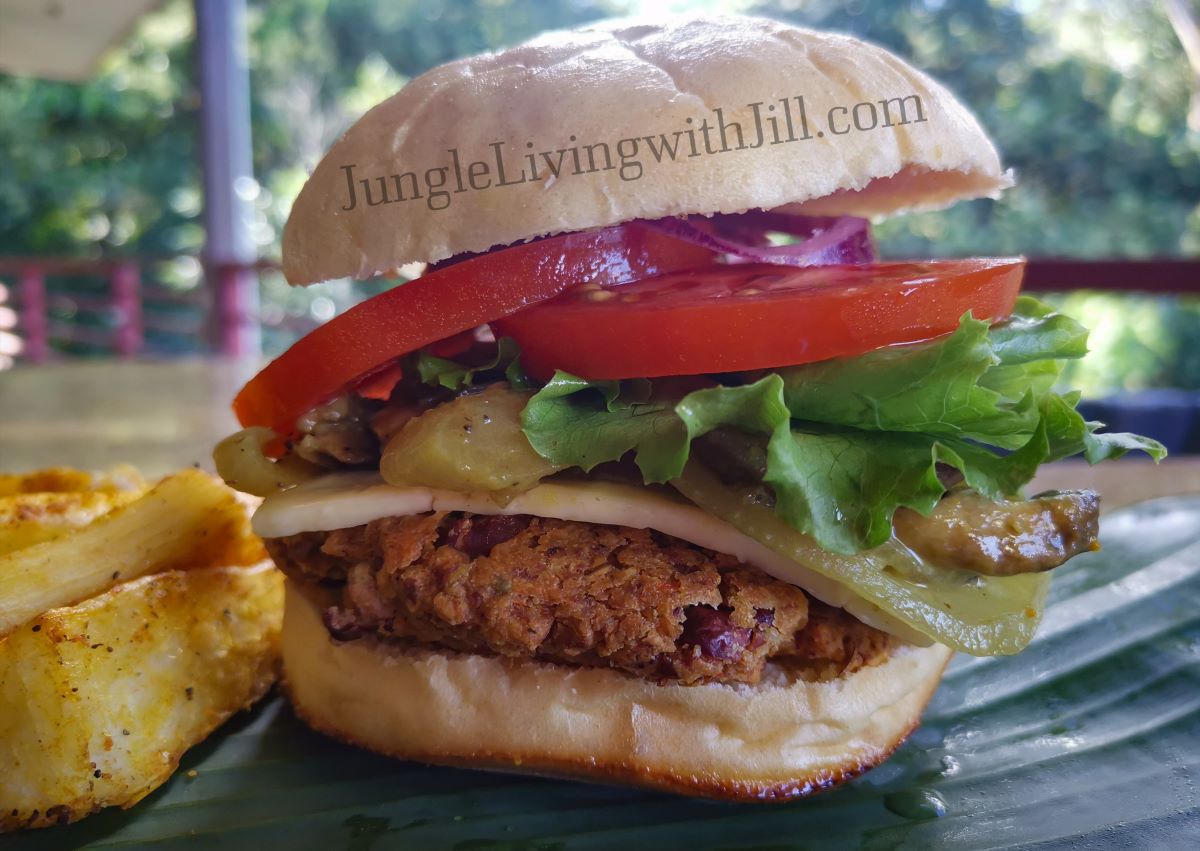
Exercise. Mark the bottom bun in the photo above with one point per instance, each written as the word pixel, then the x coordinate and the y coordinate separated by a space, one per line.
pixel 783 738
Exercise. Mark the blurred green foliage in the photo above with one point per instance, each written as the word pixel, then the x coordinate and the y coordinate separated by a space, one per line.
pixel 1086 99
pixel 108 167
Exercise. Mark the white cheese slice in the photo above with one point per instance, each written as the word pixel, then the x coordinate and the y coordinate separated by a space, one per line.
pixel 352 499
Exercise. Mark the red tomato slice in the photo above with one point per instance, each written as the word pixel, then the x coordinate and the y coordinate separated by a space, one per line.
pixel 453 299
pixel 755 316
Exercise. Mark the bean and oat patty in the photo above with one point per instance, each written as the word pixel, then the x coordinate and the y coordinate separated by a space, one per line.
pixel 633 600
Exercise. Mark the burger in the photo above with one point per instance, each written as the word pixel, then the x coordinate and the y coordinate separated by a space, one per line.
pixel 656 474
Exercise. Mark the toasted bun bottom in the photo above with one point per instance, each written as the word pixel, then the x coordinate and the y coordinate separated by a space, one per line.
pixel 783 738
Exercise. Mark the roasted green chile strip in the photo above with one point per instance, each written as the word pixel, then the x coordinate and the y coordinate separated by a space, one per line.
pixel 1003 538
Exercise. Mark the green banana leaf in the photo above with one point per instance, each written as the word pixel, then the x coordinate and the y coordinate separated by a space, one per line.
pixel 1090 738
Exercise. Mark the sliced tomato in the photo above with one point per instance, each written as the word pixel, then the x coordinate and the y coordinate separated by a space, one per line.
pixel 367 338
pixel 730 318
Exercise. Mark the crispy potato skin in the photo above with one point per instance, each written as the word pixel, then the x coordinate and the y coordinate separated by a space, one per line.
pixel 98 701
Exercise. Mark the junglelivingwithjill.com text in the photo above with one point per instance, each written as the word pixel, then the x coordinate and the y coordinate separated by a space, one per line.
pixel 783 121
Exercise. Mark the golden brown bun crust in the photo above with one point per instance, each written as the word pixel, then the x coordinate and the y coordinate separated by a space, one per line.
pixel 629 79
pixel 781 739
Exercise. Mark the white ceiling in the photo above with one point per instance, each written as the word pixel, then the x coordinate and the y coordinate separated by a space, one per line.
pixel 63 39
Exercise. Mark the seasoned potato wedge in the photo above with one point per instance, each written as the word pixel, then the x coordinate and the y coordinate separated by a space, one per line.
pixel 31 518
pixel 189 519
pixel 67 480
pixel 99 700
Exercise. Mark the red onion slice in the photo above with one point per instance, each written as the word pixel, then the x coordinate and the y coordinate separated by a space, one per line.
pixel 833 240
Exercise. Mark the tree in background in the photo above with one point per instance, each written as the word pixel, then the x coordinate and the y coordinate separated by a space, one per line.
pixel 1087 100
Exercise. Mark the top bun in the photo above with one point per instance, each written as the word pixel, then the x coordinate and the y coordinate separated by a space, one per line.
pixel 881 137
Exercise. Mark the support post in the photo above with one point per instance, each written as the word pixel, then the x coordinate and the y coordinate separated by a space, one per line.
pixel 229 186
pixel 34 326
pixel 125 286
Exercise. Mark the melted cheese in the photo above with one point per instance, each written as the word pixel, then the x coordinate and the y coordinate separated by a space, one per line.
pixel 352 499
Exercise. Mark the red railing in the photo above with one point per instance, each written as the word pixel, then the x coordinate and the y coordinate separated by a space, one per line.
pixel 32 317
pixel 223 313
pixel 1178 277
pixel 122 302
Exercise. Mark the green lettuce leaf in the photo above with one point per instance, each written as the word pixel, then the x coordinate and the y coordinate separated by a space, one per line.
pixel 842 486
pixel 443 372
pixel 851 440
pixel 1070 434
pixel 587 423
pixel 933 388
pixel 1036 332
